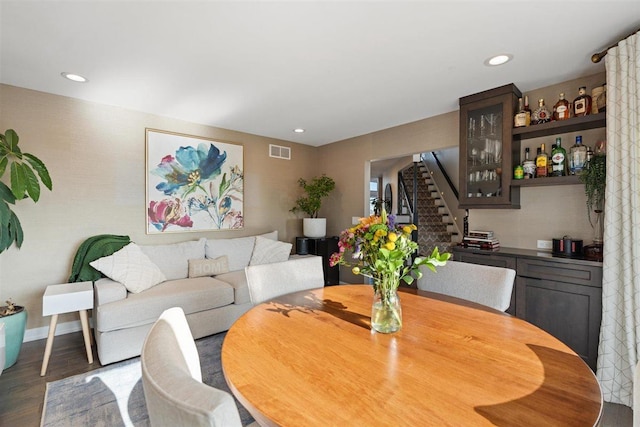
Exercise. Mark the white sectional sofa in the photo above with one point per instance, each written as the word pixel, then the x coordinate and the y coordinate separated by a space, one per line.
pixel 205 277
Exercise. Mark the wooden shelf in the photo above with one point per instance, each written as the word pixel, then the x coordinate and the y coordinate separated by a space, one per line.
pixel 551 180
pixel 592 121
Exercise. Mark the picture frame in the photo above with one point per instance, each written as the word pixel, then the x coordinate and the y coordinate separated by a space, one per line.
pixel 192 183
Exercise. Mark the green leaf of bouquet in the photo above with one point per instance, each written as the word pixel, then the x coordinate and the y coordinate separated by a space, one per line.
pixel 40 168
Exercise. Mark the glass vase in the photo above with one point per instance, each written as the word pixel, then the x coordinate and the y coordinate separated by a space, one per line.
pixel 386 311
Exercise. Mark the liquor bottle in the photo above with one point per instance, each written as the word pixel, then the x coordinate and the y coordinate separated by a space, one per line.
pixel 602 100
pixel 521 119
pixel 541 163
pixel 549 161
pixel 526 107
pixel 582 104
pixel 577 156
pixel 538 151
pixel 559 159
pixel 528 165
pixel 561 109
pixel 541 114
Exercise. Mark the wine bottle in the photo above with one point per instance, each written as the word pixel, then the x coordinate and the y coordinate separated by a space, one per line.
pixel 559 159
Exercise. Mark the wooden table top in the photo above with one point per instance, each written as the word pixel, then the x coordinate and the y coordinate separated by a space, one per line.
pixel 311 359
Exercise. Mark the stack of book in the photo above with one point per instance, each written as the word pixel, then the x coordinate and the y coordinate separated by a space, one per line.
pixel 477 239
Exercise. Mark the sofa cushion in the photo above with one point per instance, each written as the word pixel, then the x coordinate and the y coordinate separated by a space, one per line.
pixel 130 267
pixel 193 295
pixel 208 267
pixel 238 280
pixel 238 250
pixel 266 251
pixel 173 259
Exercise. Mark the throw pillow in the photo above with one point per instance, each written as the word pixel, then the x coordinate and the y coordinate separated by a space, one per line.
pixel 173 259
pixel 238 250
pixel 266 251
pixel 130 267
pixel 208 267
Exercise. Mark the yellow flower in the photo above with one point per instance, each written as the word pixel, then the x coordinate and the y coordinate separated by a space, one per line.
pixel 355 270
pixel 406 229
pixel 392 237
pixel 390 245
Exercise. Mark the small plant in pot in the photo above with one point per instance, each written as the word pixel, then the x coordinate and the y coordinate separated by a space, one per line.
pixel 26 172
pixel 318 188
pixel 594 177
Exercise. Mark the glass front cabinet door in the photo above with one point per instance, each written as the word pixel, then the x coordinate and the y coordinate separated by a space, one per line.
pixel 487 151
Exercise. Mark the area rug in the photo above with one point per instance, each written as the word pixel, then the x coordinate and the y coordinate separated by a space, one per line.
pixel 113 395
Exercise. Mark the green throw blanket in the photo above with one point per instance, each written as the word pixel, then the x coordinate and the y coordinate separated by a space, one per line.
pixel 90 250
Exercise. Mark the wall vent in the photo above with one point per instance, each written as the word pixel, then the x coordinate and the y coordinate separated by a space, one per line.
pixel 279 152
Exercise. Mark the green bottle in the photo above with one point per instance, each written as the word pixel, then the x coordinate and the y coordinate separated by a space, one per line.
pixel 559 159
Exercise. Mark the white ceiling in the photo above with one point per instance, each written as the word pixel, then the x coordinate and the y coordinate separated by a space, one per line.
pixel 338 69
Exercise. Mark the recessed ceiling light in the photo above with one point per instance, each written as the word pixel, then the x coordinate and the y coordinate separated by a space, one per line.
pixel 298 130
pixel 74 77
pixel 498 59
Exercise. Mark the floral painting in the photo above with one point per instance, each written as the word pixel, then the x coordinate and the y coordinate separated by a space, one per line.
pixel 193 184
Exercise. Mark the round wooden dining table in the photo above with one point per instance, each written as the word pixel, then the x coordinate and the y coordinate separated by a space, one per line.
pixel 311 359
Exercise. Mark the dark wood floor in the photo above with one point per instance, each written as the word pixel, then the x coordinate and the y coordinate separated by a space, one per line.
pixel 22 388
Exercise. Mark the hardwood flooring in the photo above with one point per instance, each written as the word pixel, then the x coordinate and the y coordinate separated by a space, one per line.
pixel 22 388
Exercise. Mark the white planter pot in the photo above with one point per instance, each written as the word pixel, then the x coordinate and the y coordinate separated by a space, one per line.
pixel 314 227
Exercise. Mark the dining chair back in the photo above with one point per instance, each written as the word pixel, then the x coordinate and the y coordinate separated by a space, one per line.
pixel 267 281
pixel 172 379
pixel 486 285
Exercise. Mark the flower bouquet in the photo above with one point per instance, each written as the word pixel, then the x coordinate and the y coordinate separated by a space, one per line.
pixel 382 251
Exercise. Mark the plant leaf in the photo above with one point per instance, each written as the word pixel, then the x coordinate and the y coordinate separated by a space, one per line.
pixel 5 214
pixel 18 181
pixel 32 183
pixel 3 165
pixel 12 141
pixel 37 164
pixel 6 194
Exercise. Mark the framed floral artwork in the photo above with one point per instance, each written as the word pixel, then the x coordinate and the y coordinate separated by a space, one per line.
pixel 193 183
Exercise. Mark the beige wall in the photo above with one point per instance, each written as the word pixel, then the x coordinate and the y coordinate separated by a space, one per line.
pixel 546 212
pixel 95 154
pixel 96 157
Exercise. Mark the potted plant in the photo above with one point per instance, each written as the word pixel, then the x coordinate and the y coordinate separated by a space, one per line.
pixel 594 177
pixel 316 189
pixel 26 172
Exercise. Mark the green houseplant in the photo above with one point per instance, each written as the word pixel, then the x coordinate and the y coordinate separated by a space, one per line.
pixel 594 177
pixel 26 172
pixel 315 190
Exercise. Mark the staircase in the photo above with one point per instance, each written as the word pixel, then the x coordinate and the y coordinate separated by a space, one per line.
pixel 435 225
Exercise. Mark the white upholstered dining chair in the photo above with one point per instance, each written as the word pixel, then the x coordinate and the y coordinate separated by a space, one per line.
pixel 486 285
pixel 172 379
pixel 267 281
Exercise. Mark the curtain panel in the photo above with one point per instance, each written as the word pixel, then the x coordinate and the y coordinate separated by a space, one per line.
pixel 619 347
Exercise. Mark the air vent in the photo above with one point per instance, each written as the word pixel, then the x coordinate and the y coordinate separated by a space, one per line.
pixel 279 152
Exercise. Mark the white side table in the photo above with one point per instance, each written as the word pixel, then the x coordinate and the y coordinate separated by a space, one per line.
pixel 67 298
